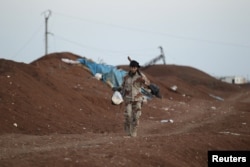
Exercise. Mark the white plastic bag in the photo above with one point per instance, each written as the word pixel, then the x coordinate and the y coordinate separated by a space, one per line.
pixel 117 98
pixel 98 76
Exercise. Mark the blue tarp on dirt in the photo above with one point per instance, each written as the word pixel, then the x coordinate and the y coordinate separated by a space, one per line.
pixel 110 74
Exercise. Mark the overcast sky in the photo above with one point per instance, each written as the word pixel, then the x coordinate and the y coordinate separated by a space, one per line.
pixel 210 35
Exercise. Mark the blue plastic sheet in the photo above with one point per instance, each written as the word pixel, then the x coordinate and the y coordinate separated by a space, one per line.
pixel 109 73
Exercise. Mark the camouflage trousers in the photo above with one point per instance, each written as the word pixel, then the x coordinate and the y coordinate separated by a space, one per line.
pixel 132 115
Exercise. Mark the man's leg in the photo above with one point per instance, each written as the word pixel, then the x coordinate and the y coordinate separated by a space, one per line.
pixel 136 115
pixel 128 118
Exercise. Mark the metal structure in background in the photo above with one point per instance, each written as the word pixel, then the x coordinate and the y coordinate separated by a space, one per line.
pixel 47 14
pixel 153 61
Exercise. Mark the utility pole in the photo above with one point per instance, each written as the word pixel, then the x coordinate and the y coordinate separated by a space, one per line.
pixel 46 15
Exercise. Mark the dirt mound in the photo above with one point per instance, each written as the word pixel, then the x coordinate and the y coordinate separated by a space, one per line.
pixel 57 114
pixel 189 81
pixel 54 97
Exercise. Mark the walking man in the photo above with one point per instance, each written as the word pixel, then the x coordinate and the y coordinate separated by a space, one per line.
pixel 133 98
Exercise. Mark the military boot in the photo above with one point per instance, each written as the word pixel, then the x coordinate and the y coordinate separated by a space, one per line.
pixel 127 128
pixel 134 126
pixel 134 132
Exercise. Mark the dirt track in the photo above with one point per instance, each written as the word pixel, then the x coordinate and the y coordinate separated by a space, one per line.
pixel 60 122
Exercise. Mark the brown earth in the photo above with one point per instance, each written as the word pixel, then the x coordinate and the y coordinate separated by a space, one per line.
pixel 56 114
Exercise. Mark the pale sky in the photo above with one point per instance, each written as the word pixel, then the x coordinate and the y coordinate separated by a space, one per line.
pixel 210 35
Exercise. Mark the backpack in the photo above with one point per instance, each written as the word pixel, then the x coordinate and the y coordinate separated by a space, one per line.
pixel 154 90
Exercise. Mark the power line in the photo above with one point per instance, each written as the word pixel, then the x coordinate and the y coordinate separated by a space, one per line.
pixel 154 32
pixel 95 48
pixel 28 41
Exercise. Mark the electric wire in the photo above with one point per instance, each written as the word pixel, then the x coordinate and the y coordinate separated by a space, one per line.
pixel 59 37
pixel 120 27
pixel 155 32
pixel 28 41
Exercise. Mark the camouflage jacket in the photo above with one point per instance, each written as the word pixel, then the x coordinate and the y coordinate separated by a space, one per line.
pixel 131 87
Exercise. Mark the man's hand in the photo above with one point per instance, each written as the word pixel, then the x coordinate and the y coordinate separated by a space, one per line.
pixel 117 89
